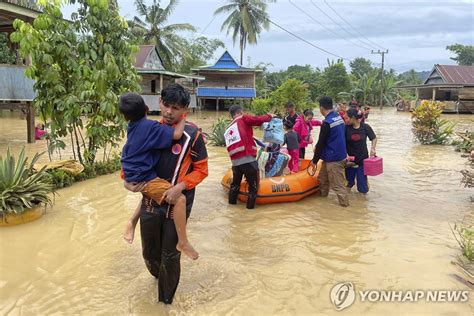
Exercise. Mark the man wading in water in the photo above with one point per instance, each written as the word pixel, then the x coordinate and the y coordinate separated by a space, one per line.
pixel 184 165
pixel 331 149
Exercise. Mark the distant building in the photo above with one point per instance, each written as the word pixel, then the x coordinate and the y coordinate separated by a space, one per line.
pixel 225 80
pixel 155 77
pixel 16 90
pixel 451 84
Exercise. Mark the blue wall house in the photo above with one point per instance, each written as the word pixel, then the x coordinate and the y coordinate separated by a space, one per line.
pixel 225 80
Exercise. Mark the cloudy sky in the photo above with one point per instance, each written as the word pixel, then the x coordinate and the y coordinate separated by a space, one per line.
pixel 416 32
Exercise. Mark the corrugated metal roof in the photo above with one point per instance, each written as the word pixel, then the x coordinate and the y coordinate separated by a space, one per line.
pixel 142 55
pixel 454 74
pixel 225 63
pixel 169 73
pixel 227 93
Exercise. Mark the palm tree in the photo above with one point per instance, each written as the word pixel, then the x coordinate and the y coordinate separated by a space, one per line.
pixel 152 30
pixel 246 20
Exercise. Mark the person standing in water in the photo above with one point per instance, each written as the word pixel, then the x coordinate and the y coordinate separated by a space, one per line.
pixel 357 133
pixel 243 152
pixel 184 165
pixel 291 114
pixel 331 149
pixel 303 127
pixel 140 155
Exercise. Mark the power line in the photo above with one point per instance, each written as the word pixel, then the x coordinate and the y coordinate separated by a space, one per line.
pixel 293 34
pixel 369 47
pixel 208 24
pixel 325 27
pixel 350 25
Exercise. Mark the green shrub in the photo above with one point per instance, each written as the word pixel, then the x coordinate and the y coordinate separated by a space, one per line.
pixel 216 137
pixel 428 128
pixel 464 235
pixel 20 187
pixel 261 106
pixel 60 178
pixel 292 90
pixel 465 144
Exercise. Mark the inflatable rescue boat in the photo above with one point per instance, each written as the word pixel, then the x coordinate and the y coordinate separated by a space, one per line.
pixel 289 188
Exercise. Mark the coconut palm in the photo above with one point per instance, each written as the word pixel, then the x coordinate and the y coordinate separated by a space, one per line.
pixel 246 21
pixel 152 30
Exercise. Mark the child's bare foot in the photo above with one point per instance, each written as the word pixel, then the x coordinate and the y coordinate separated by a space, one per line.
pixel 188 250
pixel 129 232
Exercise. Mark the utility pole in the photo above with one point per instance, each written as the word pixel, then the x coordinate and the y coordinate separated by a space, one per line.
pixel 383 52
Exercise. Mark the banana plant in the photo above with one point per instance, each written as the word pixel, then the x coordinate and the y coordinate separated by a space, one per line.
pixel 21 187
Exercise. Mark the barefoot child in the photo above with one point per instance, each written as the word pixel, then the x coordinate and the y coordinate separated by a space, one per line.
pixel 139 157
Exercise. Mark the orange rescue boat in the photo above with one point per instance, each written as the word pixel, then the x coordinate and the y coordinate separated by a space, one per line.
pixel 289 188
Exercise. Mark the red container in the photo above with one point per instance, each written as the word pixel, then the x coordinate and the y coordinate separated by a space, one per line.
pixel 373 166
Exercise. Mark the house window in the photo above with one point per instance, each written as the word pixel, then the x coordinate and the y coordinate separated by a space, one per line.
pixel 447 96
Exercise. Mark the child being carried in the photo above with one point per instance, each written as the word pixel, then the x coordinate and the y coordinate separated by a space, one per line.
pixel 139 157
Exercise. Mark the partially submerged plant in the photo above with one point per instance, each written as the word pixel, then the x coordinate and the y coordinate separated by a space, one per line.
pixel 464 235
pixel 20 187
pixel 218 129
pixel 428 127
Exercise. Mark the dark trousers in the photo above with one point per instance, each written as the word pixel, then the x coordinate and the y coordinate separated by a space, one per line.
pixel 250 171
pixel 159 240
pixel 357 173
pixel 302 152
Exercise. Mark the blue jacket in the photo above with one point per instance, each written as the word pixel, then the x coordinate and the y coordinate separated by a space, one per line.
pixel 141 151
pixel 335 149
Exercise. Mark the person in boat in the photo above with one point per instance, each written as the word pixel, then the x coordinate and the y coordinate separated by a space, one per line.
pixel 357 133
pixel 276 162
pixel 303 127
pixel 243 152
pixel 292 141
pixel 331 149
pixel 184 164
pixel 291 114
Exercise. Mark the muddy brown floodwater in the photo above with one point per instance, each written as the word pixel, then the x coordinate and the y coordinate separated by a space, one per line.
pixel 277 259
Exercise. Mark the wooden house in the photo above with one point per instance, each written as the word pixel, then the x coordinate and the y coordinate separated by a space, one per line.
pixel 225 80
pixel 16 90
pixel 452 85
pixel 155 77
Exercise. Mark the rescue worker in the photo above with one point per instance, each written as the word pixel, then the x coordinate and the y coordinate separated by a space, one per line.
pixel 243 152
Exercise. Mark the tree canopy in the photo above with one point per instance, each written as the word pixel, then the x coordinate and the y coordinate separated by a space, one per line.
pixel 80 69
pixel 464 54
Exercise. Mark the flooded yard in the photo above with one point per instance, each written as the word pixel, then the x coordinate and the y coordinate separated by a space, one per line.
pixel 276 259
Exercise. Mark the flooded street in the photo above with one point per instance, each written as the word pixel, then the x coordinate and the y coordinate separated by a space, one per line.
pixel 275 260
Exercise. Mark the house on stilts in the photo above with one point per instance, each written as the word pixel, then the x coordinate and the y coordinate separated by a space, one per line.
pixel 155 77
pixel 452 85
pixel 225 80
